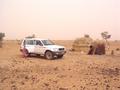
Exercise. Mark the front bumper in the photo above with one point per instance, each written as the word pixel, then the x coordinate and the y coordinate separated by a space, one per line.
pixel 59 53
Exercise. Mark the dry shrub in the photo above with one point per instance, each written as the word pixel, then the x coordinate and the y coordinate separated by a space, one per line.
pixel 2 35
pixel 82 44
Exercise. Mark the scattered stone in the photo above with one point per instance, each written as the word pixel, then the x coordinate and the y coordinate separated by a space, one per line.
pixel 3 80
pixel 118 87
pixel 117 49
pixel 22 83
pixel 56 68
pixel 46 84
pixel 55 81
pixel 26 77
pixel 63 88
pixel 73 86
pixel 107 87
pixel 13 87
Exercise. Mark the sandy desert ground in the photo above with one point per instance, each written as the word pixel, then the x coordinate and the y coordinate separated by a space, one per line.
pixel 75 71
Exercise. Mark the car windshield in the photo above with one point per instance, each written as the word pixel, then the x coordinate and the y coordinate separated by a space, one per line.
pixel 47 42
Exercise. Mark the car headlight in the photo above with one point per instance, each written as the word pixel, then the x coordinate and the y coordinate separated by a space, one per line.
pixel 55 49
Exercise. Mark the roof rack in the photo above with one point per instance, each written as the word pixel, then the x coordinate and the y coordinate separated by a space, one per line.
pixel 32 36
pixel 29 37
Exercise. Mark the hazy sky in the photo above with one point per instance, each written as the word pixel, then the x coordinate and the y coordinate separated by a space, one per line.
pixel 59 19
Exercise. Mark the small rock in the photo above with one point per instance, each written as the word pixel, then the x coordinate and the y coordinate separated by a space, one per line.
pixel 118 87
pixel 46 84
pixel 55 81
pixel 22 83
pixel 63 88
pixel 13 87
pixel 107 87
pixel 26 77
pixel 73 86
pixel 56 68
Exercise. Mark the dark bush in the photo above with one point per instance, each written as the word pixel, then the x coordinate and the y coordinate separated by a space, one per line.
pixel 2 35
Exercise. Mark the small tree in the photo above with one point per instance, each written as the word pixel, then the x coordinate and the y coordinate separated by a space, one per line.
pixel 87 36
pixel 1 38
pixel 105 35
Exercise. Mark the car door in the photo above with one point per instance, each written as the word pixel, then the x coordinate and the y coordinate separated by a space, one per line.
pixel 30 45
pixel 39 48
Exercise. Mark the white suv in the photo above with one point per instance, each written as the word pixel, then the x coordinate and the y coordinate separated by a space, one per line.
pixel 43 47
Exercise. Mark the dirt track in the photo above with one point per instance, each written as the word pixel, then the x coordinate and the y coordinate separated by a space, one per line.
pixel 74 72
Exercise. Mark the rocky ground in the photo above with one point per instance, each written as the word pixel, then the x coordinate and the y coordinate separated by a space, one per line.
pixel 75 71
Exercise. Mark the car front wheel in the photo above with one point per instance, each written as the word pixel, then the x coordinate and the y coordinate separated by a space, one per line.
pixel 49 55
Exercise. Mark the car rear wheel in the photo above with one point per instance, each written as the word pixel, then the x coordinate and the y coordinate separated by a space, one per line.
pixel 49 55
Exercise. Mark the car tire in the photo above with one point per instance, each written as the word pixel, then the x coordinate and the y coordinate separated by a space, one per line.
pixel 60 56
pixel 49 55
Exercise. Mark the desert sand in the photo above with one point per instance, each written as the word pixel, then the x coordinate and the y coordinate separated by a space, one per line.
pixel 75 71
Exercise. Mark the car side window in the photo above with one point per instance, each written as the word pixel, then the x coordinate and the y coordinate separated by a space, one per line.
pixel 29 42
pixel 39 43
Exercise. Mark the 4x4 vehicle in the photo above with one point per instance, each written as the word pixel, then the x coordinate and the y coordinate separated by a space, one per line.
pixel 43 47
